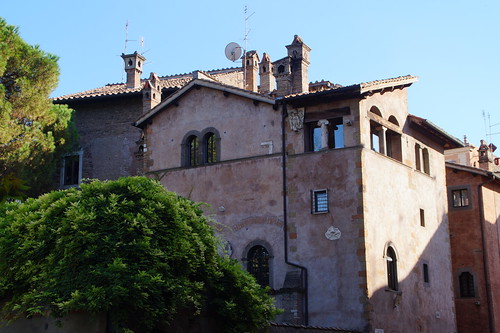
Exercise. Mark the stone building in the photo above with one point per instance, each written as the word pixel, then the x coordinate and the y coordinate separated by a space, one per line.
pixel 333 196
pixel 473 180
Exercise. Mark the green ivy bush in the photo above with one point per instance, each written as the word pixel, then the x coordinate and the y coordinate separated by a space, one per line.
pixel 128 248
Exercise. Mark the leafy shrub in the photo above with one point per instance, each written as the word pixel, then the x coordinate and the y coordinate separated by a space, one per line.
pixel 128 248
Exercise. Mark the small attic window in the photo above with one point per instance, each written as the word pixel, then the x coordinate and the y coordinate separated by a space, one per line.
pixel 281 69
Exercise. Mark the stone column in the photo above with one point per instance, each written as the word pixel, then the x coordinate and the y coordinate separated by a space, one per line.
pixel 323 123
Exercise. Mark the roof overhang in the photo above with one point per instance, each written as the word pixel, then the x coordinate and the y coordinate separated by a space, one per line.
pixel 354 91
pixel 207 84
pixel 476 171
pixel 427 128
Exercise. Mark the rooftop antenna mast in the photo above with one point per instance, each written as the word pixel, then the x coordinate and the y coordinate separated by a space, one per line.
pixel 126 38
pixel 246 48
pixel 488 126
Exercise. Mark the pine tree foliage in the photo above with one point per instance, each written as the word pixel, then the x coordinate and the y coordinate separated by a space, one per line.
pixel 128 248
pixel 32 129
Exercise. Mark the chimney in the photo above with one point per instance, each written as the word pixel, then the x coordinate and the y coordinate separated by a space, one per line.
pixel 133 68
pixel 298 52
pixel 266 75
pixel 251 63
pixel 151 94
pixel 485 157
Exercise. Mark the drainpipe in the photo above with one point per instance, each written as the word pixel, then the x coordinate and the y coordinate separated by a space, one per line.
pixel 482 221
pixel 285 219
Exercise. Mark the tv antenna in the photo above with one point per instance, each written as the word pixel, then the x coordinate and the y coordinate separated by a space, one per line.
pixel 489 126
pixel 234 51
pixel 126 38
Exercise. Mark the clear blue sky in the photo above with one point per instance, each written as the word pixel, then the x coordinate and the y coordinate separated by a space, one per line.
pixel 452 46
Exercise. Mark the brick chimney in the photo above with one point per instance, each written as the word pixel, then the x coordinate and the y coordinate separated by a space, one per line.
pixel 251 65
pixel 485 156
pixel 133 68
pixel 267 80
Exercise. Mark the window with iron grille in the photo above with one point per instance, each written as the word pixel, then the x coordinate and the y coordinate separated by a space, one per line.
pixel 466 282
pixel 319 201
pixel 258 264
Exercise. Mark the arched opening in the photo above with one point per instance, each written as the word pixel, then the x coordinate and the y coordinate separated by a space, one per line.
pixel 193 147
pixel 258 264
pixel 210 145
pixel 392 269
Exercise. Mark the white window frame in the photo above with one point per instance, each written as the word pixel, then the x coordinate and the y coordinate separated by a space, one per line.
pixel 63 169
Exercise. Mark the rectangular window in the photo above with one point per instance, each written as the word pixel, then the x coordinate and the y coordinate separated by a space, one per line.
pixel 334 132
pixel 460 198
pixel 319 201
pixel 422 217
pixel 71 170
pixel 426 273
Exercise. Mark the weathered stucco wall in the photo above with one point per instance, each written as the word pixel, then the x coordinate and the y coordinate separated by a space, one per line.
pixel 394 193
pixel 243 126
pixel 336 286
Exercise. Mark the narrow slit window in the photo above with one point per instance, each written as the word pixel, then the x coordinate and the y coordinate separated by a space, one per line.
pixel 425 268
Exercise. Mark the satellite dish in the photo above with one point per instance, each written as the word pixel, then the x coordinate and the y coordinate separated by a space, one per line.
pixel 233 51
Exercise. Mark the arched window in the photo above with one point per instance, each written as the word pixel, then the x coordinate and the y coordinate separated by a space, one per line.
pixel 392 269
pixel 258 264
pixel 193 147
pixel 210 142
pixel 466 282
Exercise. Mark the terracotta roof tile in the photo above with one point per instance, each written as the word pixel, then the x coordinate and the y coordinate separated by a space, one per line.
pixel 171 81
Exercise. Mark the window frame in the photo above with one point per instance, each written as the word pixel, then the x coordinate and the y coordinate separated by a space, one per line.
pixel 469 290
pixel 258 264
pixel 451 203
pixel 79 167
pixel 392 268
pixel 335 131
pixel 318 207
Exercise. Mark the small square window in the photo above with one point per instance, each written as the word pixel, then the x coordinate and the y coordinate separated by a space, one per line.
pixel 319 201
pixel 460 198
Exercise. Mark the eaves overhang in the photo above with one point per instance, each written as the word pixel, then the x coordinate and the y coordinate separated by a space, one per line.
pixel 427 128
pixel 473 170
pixel 359 91
pixel 172 99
